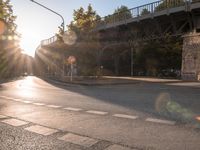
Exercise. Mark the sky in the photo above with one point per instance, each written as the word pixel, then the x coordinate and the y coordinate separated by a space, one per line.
pixel 36 23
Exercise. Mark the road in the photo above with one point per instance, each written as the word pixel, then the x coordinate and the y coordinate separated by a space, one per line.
pixel 36 114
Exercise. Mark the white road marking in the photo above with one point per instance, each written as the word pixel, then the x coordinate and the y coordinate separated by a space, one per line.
pixel 73 109
pixel 14 122
pixel 27 102
pixel 117 147
pixel 125 116
pixel 161 121
pixel 5 97
pixel 39 104
pixel 53 106
pixel 3 117
pixel 79 140
pixel 10 98
pixel 97 112
pixel 41 130
pixel 17 100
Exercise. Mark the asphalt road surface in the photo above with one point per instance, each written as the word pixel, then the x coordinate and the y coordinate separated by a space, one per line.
pixel 36 114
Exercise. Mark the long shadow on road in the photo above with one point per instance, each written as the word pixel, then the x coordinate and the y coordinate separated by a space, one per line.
pixel 162 100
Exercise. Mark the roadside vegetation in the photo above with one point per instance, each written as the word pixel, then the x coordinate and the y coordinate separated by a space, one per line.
pixel 13 62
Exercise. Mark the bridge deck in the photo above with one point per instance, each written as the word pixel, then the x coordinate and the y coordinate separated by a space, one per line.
pixel 152 11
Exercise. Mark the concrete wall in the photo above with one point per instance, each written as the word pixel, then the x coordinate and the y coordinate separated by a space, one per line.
pixel 191 57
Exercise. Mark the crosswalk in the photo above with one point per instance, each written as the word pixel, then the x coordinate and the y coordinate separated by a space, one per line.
pixel 14 122
pixel 41 130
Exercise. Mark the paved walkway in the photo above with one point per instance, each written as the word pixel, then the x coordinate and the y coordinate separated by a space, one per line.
pixel 111 80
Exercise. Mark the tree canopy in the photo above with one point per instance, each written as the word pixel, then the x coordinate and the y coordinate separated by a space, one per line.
pixel 6 14
pixel 83 20
pixel 145 12
pixel 119 14
pixel 10 52
pixel 169 4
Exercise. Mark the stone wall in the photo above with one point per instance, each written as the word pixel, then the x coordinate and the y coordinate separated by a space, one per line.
pixel 191 57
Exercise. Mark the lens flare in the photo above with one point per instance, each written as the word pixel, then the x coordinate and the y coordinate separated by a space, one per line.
pixel 69 38
pixel 161 102
pixel 198 118
pixel 10 38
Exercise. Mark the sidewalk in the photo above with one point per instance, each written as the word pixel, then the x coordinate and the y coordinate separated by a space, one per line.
pixel 10 79
pixel 111 80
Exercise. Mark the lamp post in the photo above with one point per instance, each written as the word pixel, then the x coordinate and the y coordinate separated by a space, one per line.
pixel 63 22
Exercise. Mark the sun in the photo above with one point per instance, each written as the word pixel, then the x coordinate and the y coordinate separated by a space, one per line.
pixel 29 40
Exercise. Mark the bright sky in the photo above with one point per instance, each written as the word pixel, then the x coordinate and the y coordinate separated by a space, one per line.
pixel 36 23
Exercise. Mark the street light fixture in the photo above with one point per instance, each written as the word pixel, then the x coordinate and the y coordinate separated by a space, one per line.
pixel 63 22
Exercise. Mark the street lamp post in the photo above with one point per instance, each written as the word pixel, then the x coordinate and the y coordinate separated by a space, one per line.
pixel 63 22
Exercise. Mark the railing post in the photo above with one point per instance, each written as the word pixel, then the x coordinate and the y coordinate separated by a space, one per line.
pixel 152 7
pixel 138 13
pixel 187 5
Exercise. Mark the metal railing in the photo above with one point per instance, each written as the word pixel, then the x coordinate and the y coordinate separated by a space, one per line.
pixel 49 41
pixel 142 11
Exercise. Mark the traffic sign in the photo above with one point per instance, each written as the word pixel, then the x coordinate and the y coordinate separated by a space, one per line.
pixel 71 59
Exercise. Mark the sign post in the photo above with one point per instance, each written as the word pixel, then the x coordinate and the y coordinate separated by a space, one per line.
pixel 71 60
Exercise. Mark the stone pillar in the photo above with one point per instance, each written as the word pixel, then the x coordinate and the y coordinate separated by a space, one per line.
pixel 191 57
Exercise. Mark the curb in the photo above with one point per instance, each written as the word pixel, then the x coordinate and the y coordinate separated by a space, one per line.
pixel 89 84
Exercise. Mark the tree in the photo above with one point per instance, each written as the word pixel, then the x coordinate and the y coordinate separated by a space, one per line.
pixel 123 10
pixel 83 20
pixel 169 4
pixel 160 55
pixel 6 13
pixel 121 13
pixel 145 12
pixel 84 49
pixel 9 52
